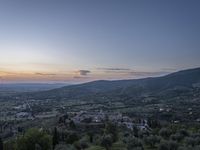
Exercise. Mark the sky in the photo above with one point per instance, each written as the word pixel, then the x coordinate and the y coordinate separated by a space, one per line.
pixel 74 41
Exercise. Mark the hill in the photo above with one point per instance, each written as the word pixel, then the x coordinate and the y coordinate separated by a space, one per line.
pixel 184 80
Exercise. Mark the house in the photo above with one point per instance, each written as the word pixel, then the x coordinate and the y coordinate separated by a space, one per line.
pixel 24 115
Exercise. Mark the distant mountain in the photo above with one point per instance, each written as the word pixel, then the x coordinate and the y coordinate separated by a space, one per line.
pixel 29 87
pixel 179 81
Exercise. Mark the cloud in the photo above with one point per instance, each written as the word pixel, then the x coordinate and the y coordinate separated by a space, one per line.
pixel 7 73
pixel 84 72
pixel 80 77
pixel 169 69
pixel 146 73
pixel 44 74
pixel 134 73
pixel 114 69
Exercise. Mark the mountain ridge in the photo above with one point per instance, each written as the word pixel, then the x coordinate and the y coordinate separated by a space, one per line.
pixel 184 79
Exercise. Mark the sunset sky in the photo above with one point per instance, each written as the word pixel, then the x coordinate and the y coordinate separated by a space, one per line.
pixel 74 41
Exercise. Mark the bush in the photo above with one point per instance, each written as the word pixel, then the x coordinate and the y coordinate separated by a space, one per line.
pixel 112 130
pixel 64 147
pixel 34 139
pixel 134 143
pixel 118 146
pixel 177 137
pixel 106 141
pixel 95 148
pixel 172 145
pixel 165 133
pixel 152 140
pixel 81 144
pixel 163 146
pixel 9 145
pixel 184 132
pixel 71 138
pixel 168 145
pixel 190 141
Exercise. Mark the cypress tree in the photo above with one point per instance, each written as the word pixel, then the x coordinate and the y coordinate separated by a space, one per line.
pixel 55 138
pixel 1 144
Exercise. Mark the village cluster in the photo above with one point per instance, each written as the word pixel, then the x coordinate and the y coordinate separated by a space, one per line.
pixel 98 118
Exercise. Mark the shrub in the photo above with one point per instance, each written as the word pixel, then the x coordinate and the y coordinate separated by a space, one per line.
pixel 134 143
pixel 106 141
pixel 165 133
pixel 177 137
pixel 33 139
pixel 152 140
pixel 71 138
pixel 168 145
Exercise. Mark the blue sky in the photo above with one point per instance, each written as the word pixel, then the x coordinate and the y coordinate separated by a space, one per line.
pixel 79 41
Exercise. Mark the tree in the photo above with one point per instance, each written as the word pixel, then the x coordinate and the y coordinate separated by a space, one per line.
pixel 38 147
pixel 182 148
pixel 112 129
pixel 135 131
pixel 107 141
pixel 1 144
pixel 168 145
pixel 134 143
pixel 118 146
pixel 32 138
pixel 82 143
pixel 184 132
pixel 72 124
pixel 190 141
pixel 64 147
pixel 153 123
pixel 10 145
pixel 165 133
pixel 55 139
pixel 71 138
pixel 177 137
pixel 163 146
pixel 152 140
pixel 172 145
pixel 95 148
pixel 91 136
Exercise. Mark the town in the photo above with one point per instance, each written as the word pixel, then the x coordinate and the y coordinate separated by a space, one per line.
pixel 22 115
